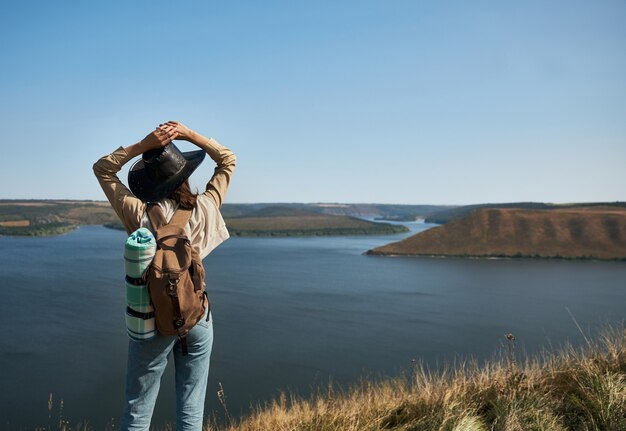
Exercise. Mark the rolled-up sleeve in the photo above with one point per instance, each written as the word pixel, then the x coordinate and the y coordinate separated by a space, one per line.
pixel 126 205
pixel 226 160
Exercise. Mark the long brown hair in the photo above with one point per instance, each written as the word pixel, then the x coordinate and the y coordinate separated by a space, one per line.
pixel 184 196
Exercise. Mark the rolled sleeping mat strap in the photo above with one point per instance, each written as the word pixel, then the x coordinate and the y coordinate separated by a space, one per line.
pixel 144 316
pixel 138 328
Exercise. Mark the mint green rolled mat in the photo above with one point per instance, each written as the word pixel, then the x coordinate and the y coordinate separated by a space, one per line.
pixel 138 254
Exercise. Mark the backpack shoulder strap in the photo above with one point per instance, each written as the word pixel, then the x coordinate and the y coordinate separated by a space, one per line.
pixel 156 217
pixel 180 218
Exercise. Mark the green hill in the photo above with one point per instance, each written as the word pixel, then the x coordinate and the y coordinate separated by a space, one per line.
pixel 576 232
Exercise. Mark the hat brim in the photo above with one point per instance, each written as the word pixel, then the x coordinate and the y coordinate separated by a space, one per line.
pixel 149 190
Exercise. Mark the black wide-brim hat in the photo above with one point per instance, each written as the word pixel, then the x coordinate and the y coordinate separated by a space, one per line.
pixel 159 172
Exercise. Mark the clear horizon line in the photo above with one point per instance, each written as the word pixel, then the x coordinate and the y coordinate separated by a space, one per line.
pixel 341 203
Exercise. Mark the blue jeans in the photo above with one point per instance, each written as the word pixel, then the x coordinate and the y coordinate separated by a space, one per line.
pixel 146 363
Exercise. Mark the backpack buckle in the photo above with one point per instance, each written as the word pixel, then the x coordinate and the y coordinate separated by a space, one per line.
pixel 171 286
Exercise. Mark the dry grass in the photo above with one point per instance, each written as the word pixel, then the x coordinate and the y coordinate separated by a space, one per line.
pixel 573 389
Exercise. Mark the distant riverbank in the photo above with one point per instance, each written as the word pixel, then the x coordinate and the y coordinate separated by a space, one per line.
pixel 48 218
pixel 49 229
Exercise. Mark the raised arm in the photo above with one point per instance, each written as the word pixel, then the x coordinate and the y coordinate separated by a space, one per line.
pixel 225 159
pixel 127 206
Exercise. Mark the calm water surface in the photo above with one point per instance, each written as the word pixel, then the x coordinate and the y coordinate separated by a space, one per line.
pixel 289 313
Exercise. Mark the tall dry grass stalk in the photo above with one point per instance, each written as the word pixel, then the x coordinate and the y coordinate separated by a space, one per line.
pixel 578 389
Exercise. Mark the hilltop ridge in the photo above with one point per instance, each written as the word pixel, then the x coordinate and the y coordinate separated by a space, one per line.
pixel 447 214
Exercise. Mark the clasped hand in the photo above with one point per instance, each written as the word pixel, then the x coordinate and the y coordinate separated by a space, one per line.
pixel 166 133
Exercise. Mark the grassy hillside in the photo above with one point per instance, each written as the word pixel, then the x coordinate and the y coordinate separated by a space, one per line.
pixel 285 221
pixel 569 390
pixel 592 232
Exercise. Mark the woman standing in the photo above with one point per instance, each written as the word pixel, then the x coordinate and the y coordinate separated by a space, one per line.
pixel 161 177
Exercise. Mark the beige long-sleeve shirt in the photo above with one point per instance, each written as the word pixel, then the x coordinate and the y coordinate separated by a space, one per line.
pixel 206 228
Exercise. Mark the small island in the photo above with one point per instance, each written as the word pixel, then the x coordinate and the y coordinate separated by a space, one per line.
pixel 594 232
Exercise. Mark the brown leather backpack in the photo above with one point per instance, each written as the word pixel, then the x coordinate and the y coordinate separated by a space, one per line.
pixel 175 278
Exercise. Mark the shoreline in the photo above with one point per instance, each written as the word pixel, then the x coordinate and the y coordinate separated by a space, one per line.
pixel 493 257
pixel 42 234
pixel 266 234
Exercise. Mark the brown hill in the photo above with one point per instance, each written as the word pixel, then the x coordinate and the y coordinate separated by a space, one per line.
pixel 594 232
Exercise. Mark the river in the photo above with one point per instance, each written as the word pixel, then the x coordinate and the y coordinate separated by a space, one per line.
pixel 289 314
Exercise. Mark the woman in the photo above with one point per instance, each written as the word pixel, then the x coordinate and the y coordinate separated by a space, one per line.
pixel 161 176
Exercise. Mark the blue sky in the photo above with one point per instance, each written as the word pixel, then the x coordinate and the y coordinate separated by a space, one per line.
pixel 327 101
